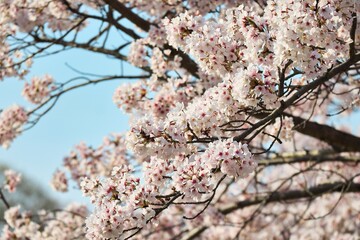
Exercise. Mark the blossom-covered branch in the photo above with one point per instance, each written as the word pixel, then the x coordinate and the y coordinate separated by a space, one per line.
pixel 236 106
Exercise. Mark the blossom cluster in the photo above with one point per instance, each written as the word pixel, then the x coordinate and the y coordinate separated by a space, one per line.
pixel 160 61
pixel 59 181
pixel 120 204
pixel 137 97
pixel 66 224
pixel 201 118
pixel 167 138
pixel 86 161
pixel 26 15
pixel 138 53
pixel 12 179
pixel 232 158
pixel 123 204
pixel 11 121
pixel 129 96
pixel 287 31
pixel 39 89
pixel 18 17
pixel 276 217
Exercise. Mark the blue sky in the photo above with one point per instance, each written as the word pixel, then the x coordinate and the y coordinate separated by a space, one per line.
pixel 87 114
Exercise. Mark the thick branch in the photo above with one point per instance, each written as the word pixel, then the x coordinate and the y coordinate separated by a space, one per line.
pixel 120 27
pixel 309 156
pixel 312 192
pixel 352 35
pixel 186 61
pixel 127 13
pixel 340 141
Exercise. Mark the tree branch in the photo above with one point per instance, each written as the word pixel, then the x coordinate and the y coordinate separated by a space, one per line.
pixel 194 233
pixel 312 192
pixel 340 141
pixel 84 46
pixel 309 156
pixel 3 199
pixel 312 85
pixel 186 62
pixel 127 13
pixel 352 49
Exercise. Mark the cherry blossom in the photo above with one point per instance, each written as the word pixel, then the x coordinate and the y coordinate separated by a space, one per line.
pixel 64 224
pixel 59 181
pixel 234 127
pixel 12 179
pixel 11 121
pixel 39 89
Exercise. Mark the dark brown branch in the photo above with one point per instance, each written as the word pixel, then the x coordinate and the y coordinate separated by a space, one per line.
pixel 127 13
pixel 340 141
pixel 309 156
pixel 352 35
pixel 2 197
pixel 282 78
pixel 312 192
pixel 120 27
pixel 186 61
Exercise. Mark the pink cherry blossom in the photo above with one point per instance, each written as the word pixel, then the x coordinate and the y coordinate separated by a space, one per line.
pixel 12 179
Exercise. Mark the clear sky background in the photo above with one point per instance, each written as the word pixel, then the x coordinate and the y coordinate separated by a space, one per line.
pixel 86 114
